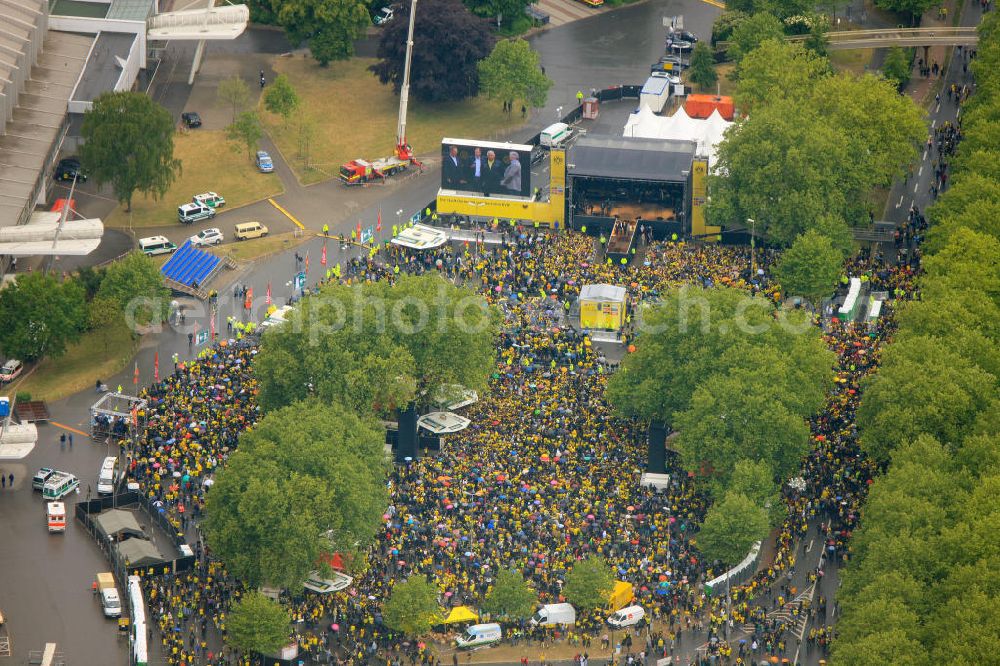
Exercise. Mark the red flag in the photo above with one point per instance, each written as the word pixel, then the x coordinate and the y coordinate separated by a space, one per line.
pixel 307 261
pixel 211 326
pixel 359 232
pixel 156 367
pixel 248 303
pixel 267 300
pixel 135 376
pixel 378 226
pixel 322 259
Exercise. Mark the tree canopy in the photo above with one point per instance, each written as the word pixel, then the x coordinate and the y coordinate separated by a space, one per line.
pixel 330 27
pixel 448 43
pixel 412 607
pixel 752 32
pixel 589 583
pixel 810 267
pixel 135 286
pixel 257 624
pixel 730 528
pixel 777 69
pixel 128 141
pixel 512 72
pixel 277 508
pixel 377 347
pixel 702 71
pixel 280 98
pixel 41 316
pixel 793 161
pixel 510 596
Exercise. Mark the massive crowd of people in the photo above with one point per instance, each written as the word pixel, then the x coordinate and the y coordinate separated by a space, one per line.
pixel 545 474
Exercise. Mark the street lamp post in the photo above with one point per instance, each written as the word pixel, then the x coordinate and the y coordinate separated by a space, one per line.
pixel 753 243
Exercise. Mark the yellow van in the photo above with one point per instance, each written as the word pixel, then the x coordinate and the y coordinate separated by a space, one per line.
pixel 247 230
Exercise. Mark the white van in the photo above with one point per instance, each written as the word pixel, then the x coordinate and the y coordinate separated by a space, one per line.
pixel 627 617
pixel 110 602
pixel 479 634
pixel 153 245
pixel 55 516
pixel 107 476
pixel 555 135
pixel 551 614
pixel 247 230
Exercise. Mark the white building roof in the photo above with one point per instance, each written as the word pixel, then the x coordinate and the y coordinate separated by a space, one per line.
pixel 225 22
pixel 707 133
pixel 442 423
pixel 421 237
pixel 602 292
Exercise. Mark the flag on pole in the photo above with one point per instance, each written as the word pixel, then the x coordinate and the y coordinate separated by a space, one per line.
pixel 248 302
pixel 307 261
pixel 359 231
pixel 378 225
pixel 267 299
pixel 156 367
pixel 135 375
pixel 211 326
pixel 322 258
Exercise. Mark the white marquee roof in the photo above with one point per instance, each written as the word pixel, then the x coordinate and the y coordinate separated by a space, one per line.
pixel 708 133
pixel 225 22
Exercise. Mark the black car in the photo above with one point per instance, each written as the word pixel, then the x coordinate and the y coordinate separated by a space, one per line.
pixel 191 119
pixel 69 168
pixel 685 35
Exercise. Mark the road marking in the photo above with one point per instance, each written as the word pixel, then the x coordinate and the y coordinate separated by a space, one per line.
pixel 897 206
pixel 715 3
pixel 924 158
pixel 70 428
pixel 915 186
pixel 933 123
pixel 938 109
pixel 286 214
pixel 912 202
pixel 811 541
pixel 920 171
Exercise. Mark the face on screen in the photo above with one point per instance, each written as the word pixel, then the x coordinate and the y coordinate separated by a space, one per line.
pixel 485 170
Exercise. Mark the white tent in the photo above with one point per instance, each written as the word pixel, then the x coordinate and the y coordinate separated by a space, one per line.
pixel 708 133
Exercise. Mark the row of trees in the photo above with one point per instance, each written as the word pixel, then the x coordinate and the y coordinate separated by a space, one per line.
pixel 413 606
pixel 737 379
pixel 813 148
pixel 309 480
pixel 43 314
pixel 922 585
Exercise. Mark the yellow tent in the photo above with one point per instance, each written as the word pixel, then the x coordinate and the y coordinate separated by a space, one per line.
pixel 460 614
pixel 602 306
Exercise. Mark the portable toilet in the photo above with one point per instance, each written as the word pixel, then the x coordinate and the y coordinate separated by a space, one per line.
pixel 590 108
pixel 4 406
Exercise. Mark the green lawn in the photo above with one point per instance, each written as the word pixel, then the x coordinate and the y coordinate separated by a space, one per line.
pixel 855 61
pixel 355 117
pixel 99 354
pixel 209 164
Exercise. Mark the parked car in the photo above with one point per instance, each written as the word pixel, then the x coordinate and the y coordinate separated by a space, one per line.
pixel 264 163
pixel 10 371
pixel 69 168
pixel 384 16
pixel 682 45
pixel 191 119
pixel 193 212
pixel 154 245
pixel 210 199
pixel 668 64
pixel 205 237
pixel 685 35
pixel 247 230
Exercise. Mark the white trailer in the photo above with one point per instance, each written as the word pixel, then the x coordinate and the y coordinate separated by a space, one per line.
pixel 654 93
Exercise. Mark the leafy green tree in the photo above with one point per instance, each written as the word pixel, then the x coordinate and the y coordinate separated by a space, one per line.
pixel 412 607
pixel 136 286
pixel 128 141
pixel 923 386
pixel 41 316
pixel 589 583
pixel 777 70
pixel 695 333
pixel 729 420
pixel 324 495
pixel 448 43
pixel 914 9
pixel 257 624
pixel 896 66
pixel 330 27
pixel 90 279
pixel 702 71
pixel 246 132
pixel 752 32
pixel 512 72
pixel 235 93
pixel 510 596
pixel 102 314
pixel 378 347
pixel 731 527
pixel 335 40
pixel 725 23
pixel 280 98
pixel 755 479
pixel 809 268
pixel 967 261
